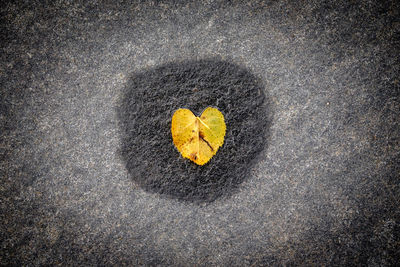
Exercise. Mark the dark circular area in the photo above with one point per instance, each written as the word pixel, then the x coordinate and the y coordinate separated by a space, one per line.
pixel 149 101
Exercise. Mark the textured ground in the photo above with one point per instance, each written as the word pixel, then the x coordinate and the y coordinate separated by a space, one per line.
pixel 145 111
pixel 324 187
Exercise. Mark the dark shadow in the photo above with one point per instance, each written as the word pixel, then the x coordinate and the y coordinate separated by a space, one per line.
pixel 149 100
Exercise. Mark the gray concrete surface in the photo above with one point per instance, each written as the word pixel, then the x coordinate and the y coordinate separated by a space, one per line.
pixel 325 190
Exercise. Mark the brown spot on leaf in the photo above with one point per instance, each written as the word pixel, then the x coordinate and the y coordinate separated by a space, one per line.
pixel 201 135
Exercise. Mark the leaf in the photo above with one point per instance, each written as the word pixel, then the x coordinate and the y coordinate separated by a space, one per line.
pixel 198 138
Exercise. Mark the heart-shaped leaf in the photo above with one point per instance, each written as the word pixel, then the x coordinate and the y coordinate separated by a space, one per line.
pixel 198 138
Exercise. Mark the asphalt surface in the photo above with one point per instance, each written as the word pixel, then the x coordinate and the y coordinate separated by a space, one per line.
pixel 321 186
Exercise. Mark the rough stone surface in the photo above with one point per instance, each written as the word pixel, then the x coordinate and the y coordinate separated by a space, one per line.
pixel 324 191
pixel 145 112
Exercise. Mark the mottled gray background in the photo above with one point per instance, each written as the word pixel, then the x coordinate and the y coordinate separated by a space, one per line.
pixel 325 191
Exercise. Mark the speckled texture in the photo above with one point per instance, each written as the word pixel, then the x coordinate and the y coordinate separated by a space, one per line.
pixel 324 191
pixel 150 99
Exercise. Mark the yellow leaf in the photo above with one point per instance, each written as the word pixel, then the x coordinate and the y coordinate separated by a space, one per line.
pixel 198 138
